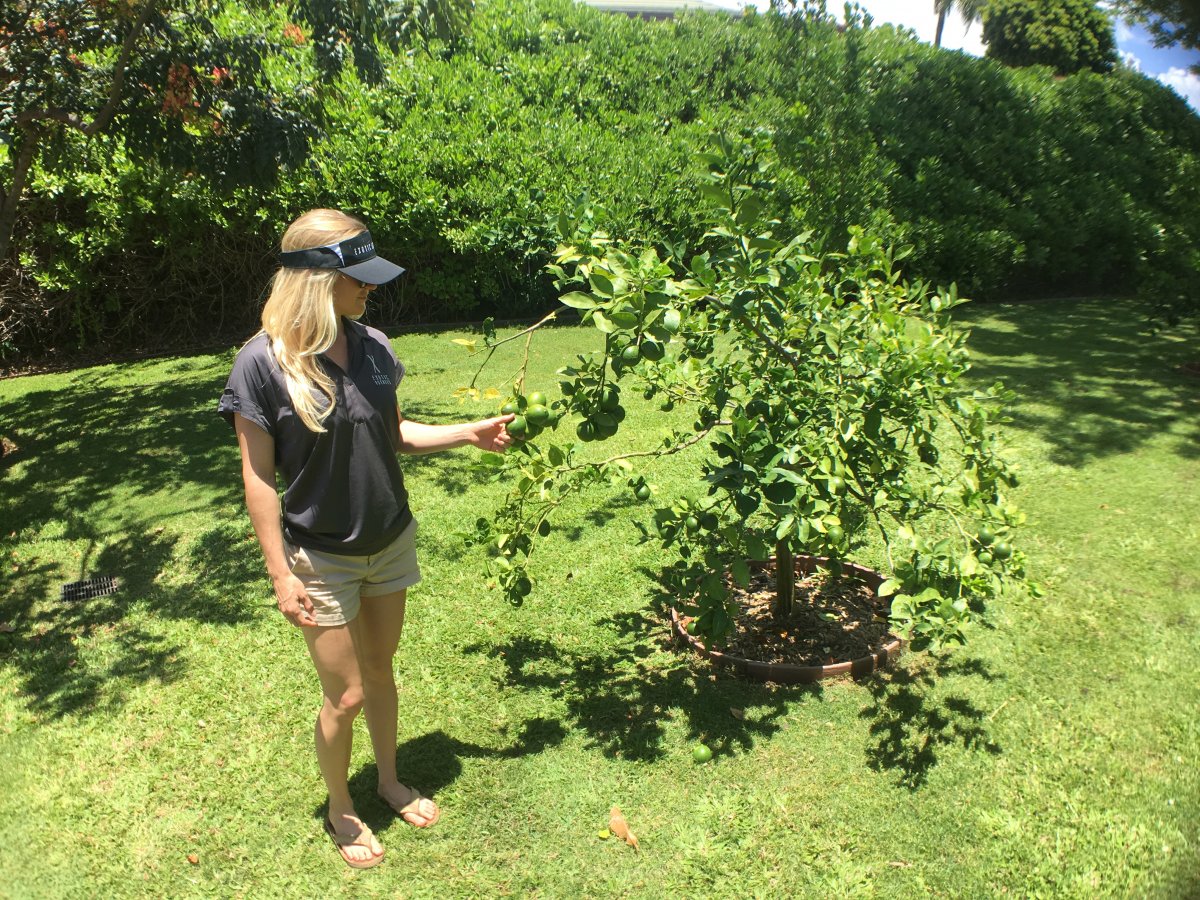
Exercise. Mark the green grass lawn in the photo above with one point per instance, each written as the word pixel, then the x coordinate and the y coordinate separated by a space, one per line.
pixel 1055 755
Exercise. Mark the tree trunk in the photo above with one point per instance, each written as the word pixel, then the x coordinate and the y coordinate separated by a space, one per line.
pixel 785 580
pixel 937 38
pixel 12 197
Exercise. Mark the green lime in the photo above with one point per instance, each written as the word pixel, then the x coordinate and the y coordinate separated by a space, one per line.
pixel 985 558
pixel 517 427
pixel 667 405
pixel 642 492
pixel 537 398
pixel 610 399
pixel 652 350
pixel 544 527
pixel 630 354
pixel 522 586
pixel 836 484
pixel 985 537
pixel 1002 550
pixel 692 524
pixel 701 754
pixel 510 408
pixel 691 627
pixel 835 534
pixel 537 414
pixel 605 428
pixel 585 430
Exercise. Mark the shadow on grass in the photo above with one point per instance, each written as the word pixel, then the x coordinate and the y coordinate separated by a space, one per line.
pixel 623 697
pixel 82 656
pixel 433 761
pixel 82 453
pixel 909 725
pixel 1086 381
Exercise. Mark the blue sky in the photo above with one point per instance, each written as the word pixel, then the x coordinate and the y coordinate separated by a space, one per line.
pixel 1168 65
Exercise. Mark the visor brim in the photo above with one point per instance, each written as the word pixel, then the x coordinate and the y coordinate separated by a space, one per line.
pixel 374 271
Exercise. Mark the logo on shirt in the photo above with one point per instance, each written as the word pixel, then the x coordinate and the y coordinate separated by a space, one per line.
pixel 378 378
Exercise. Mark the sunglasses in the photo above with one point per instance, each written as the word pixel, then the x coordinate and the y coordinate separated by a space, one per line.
pixel 362 284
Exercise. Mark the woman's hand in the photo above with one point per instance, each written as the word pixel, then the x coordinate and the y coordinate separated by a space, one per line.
pixel 292 600
pixel 490 434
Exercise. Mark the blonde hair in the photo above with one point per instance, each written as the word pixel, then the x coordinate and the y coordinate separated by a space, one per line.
pixel 298 318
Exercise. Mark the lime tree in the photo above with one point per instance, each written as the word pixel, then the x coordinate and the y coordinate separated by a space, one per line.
pixel 828 390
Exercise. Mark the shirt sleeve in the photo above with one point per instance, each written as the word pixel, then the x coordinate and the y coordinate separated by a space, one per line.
pixel 249 391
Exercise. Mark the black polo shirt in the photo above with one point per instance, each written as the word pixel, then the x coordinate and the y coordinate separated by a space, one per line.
pixel 344 489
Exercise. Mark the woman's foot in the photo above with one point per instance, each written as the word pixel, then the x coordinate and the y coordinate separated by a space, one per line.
pixel 418 811
pixel 354 840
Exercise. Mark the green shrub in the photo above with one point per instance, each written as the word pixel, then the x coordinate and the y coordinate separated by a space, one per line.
pixel 1002 180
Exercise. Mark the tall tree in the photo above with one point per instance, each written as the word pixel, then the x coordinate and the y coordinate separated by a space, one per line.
pixel 970 10
pixel 1170 21
pixel 1067 35
pixel 180 81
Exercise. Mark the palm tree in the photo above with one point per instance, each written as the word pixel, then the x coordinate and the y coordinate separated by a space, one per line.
pixel 970 10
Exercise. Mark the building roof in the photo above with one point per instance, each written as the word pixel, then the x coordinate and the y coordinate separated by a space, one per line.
pixel 659 9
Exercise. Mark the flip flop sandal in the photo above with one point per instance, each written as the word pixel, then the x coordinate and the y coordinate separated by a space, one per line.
pixel 362 839
pixel 413 808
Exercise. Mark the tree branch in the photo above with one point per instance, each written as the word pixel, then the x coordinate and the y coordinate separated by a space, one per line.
pixel 118 84
pixel 104 116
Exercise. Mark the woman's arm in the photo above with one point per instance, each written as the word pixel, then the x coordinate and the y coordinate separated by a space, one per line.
pixel 489 434
pixel 258 476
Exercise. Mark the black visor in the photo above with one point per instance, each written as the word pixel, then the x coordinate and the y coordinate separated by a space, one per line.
pixel 354 257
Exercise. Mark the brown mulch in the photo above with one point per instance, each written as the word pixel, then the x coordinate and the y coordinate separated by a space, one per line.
pixel 834 620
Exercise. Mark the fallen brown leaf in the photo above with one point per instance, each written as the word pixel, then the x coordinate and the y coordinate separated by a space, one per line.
pixel 618 826
pixel 6 628
pixel 739 714
pixel 193 859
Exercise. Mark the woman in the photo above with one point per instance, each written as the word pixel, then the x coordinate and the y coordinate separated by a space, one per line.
pixel 313 396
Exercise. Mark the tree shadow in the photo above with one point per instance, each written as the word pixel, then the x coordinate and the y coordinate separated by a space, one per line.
pixel 908 726
pixel 79 446
pixel 1086 381
pixel 600 515
pixel 48 648
pixel 64 500
pixel 80 453
pixel 622 698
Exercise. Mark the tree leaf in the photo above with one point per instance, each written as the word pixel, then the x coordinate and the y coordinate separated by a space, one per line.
pixel 603 323
pixel 578 300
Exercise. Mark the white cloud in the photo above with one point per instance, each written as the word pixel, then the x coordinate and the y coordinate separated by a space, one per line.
pixel 1130 60
pixel 1185 83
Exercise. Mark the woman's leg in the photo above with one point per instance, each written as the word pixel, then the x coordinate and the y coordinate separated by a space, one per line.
pixel 335 655
pixel 382 621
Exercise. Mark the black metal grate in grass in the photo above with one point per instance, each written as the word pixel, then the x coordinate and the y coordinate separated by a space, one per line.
pixel 90 587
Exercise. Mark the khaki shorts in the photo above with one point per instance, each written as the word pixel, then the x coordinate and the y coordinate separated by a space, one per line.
pixel 336 583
